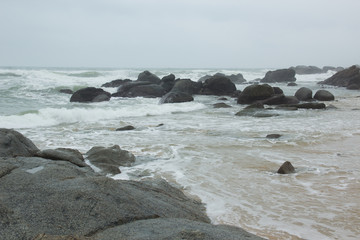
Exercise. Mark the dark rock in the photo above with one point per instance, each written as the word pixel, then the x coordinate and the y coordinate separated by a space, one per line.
pixel 13 144
pixel 63 154
pixel 147 76
pixel 236 94
pixel 286 168
pixel 308 105
pixel 256 110
pixel 354 86
pixel 60 199
pixel 281 75
pixel 109 159
pixel 273 136
pixel 344 78
pixel 302 70
pixel 140 89
pixel 303 94
pixel 174 228
pixel 324 95
pixel 115 83
pixel 278 90
pixel 221 105
pixel 222 99
pixel 168 82
pixel 187 86
pixel 274 100
pixel 66 90
pixel 235 78
pixel 292 84
pixel 254 93
pixel 126 128
pixel 218 85
pixel 176 97
pixel 90 94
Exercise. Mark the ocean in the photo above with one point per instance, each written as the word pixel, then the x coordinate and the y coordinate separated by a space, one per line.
pixel 211 154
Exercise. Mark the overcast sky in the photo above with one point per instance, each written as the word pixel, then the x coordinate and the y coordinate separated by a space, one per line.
pixel 179 33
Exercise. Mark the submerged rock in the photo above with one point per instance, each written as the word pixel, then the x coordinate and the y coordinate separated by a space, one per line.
pixel 126 128
pixel 221 105
pixel 66 90
pixel 286 168
pixel 176 97
pixel 273 136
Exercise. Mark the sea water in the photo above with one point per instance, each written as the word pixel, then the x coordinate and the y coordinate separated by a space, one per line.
pixel 222 159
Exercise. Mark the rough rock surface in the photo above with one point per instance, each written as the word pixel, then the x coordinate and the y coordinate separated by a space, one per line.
pixel 163 228
pixel 63 154
pixel 13 144
pixel 281 75
pixel 45 199
pixel 90 94
pixel 109 159
pixel 345 78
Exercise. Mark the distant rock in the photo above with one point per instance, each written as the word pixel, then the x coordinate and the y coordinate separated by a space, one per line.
pixel 187 86
pixel 126 128
pixel 253 93
pixel 308 105
pixel 115 83
pixel 324 95
pixel 66 90
pixel 304 94
pixel 90 94
pixel 345 78
pixel 176 97
pixel 235 78
pixel 279 99
pixel 110 159
pixel 292 84
pixel 140 89
pixel 221 105
pixel 147 76
pixel 330 68
pixel 14 144
pixel 286 168
pixel 302 70
pixel 281 75
pixel 218 85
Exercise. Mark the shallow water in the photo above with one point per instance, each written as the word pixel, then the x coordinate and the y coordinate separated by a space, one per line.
pixel 223 159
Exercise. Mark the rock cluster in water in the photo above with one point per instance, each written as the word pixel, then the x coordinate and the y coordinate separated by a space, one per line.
pixel 54 194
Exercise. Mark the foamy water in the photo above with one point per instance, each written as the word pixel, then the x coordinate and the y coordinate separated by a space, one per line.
pixel 223 159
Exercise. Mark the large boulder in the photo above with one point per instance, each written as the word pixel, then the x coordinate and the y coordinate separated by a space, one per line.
pixel 90 94
pixel 303 94
pixel 13 144
pixel 187 86
pixel 254 93
pixel 174 228
pixel 110 159
pixel 147 76
pixel 345 78
pixel 176 97
pixel 281 75
pixel 324 95
pixel 218 85
pixel 302 70
pixel 58 198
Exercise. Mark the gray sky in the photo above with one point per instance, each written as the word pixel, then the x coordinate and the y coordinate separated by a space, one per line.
pixel 179 33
